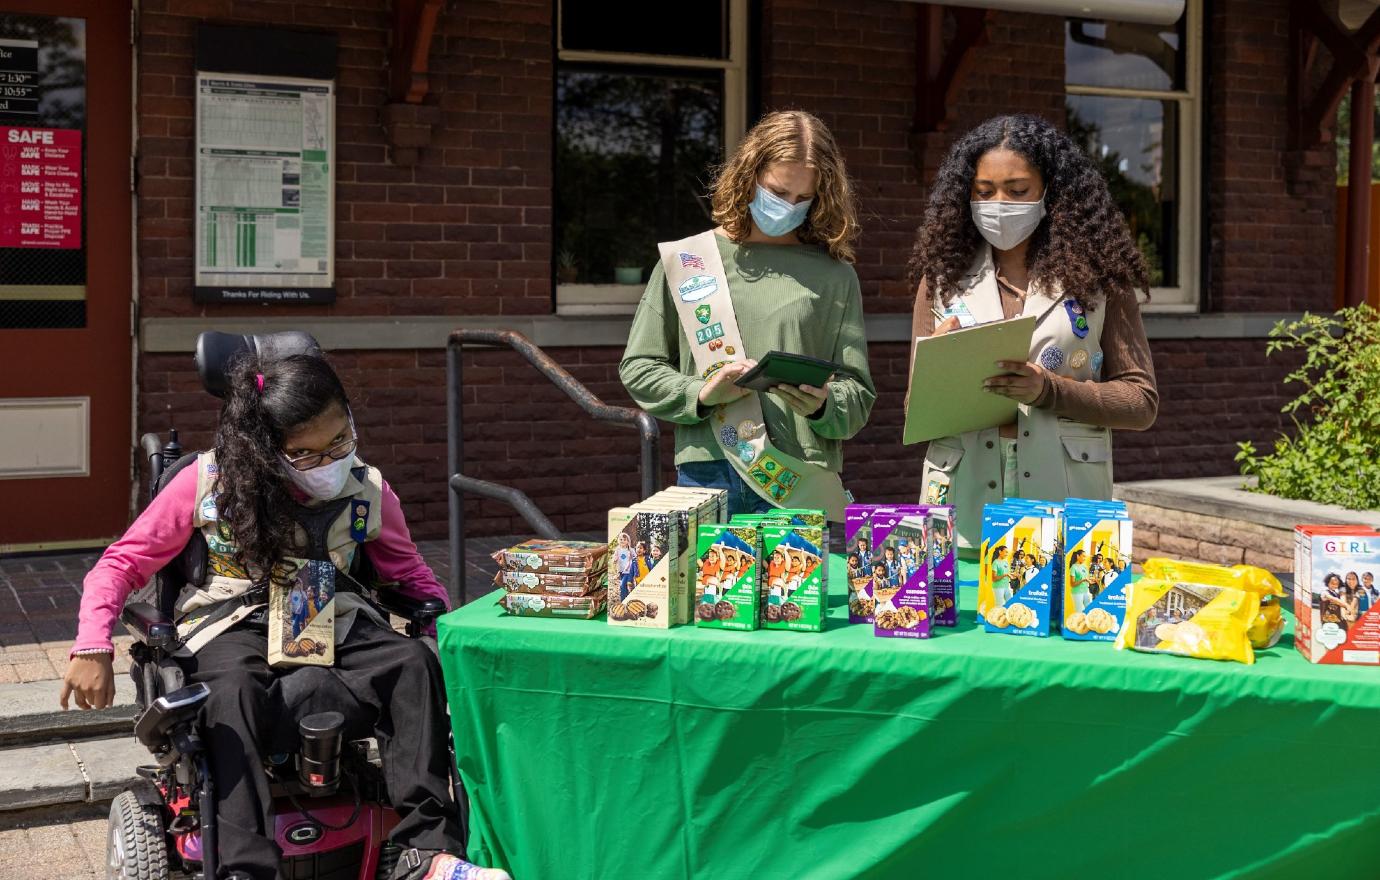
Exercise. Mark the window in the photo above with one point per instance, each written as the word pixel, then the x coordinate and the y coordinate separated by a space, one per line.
pixel 647 104
pixel 1132 95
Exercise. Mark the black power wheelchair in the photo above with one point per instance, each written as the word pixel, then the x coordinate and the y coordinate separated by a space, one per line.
pixel 330 814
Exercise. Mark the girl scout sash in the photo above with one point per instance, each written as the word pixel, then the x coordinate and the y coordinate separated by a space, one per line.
pixel 699 287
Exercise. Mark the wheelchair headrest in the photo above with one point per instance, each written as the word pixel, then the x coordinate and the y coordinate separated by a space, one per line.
pixel 215 351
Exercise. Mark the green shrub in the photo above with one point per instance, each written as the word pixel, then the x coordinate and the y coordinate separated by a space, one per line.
pixel 1334 457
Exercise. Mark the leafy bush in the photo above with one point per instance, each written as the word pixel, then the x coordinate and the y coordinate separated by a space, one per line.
pixel 1334 458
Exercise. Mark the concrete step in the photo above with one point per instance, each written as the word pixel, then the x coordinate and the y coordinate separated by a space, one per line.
pixel 69 772
pixel 29 713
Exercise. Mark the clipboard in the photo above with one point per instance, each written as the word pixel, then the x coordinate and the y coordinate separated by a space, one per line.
pixel 946 393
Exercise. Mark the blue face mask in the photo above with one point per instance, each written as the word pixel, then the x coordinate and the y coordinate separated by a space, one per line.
pixel 776 216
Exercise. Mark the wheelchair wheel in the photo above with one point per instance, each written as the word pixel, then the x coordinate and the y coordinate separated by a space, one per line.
pixel 136 848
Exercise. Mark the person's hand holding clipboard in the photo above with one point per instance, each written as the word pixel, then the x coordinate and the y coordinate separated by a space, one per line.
pixel 971 378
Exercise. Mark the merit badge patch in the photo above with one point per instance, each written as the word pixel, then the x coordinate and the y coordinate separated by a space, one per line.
pixel 746 429
pixel 1097 364
pixel 730 350
pixel 776 479
pixel 1077 320
pixel 359 520
pixel 746 452
pixel 1078 359
pixel 728 436
pixel 208 508
pixel 714 368
pixel 1052 358
pixel 706 334
pixel 691 261
pixel 697 287
pixel 702 314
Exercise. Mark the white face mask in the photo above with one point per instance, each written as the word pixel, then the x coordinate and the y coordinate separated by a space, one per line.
pixel 1007 224
pixel 323 482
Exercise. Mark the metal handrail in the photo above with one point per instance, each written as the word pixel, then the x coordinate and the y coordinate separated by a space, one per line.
pixel 458 484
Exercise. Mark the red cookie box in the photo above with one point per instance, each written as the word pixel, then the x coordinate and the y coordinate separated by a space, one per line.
pixel 1337 621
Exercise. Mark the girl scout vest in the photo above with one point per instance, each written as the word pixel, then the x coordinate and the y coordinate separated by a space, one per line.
pixel 1056 458
pixel 699 286
pixel 219 602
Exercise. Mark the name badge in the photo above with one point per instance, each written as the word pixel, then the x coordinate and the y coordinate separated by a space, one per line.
pixel 960 310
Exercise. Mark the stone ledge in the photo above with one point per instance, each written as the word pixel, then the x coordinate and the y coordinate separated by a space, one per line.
pixel 1223 497
pixel 68 772
pixel 377 333
pixel 29 712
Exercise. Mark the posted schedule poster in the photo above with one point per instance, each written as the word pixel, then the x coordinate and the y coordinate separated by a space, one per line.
pixel 265 187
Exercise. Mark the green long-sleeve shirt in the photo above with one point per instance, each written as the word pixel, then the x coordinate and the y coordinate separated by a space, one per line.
pixel 791 298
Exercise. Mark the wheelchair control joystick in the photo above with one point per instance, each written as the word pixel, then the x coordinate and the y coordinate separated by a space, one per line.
pixel 172 450
pixel 318 765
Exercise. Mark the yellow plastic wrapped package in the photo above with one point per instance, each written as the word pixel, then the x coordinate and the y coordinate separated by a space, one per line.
pixel 1268 625
pixel 1189 619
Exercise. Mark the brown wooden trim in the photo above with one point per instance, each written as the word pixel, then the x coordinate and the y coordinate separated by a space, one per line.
pixel 414 26
pixel 941 68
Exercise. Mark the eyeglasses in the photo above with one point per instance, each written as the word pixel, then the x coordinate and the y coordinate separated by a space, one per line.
pixel 316 459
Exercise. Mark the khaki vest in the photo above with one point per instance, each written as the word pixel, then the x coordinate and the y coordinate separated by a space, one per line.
pixel 1056 458
pixel 227 579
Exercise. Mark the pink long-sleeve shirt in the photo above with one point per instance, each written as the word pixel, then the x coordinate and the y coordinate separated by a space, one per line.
pixel 164 528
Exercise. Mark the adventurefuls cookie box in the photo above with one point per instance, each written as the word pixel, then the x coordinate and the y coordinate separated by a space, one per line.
pixel 1337 594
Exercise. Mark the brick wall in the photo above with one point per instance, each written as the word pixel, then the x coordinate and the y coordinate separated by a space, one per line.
pixel 1272 249
pixel 468 231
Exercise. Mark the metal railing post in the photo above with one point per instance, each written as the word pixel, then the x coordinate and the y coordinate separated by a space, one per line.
pixel 458 484
pixel 455 463
pixel 651 454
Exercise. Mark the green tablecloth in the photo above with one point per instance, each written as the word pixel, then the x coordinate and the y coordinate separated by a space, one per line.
pixel 607 752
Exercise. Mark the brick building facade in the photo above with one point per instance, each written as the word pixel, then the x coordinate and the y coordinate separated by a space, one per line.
pixel 466 235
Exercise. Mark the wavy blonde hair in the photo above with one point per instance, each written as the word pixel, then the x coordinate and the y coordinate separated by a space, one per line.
pixel 790 136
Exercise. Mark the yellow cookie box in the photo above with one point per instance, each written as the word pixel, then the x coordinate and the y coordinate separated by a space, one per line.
pixel 1268 624
pixel 1191 620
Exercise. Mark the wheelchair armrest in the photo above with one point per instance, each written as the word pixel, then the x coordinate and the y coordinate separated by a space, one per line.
pixel 420 612
pixel 167 713
pixel 149 625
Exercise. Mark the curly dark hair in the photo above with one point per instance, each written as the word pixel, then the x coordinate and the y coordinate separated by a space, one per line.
pixel 1083 245
pixel 254 495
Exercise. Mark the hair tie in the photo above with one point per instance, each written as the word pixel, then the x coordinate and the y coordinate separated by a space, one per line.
pixel 259 380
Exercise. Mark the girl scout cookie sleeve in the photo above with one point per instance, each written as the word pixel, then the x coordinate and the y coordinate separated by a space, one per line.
pixel 554 605
pixel 541 556
pixel 544 578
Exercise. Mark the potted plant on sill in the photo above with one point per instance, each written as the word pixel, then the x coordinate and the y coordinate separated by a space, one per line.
pixel 567 271
pixel 626 270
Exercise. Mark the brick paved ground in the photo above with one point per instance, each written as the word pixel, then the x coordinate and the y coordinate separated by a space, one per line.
pixel 66 842
pixel 39 597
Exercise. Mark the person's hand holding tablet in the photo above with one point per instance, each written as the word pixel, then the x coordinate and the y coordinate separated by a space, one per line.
pixel 807 400
pixel 801 382
pixel 720 387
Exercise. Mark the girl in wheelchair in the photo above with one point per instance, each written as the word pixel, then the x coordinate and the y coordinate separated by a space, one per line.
pixel 285 450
